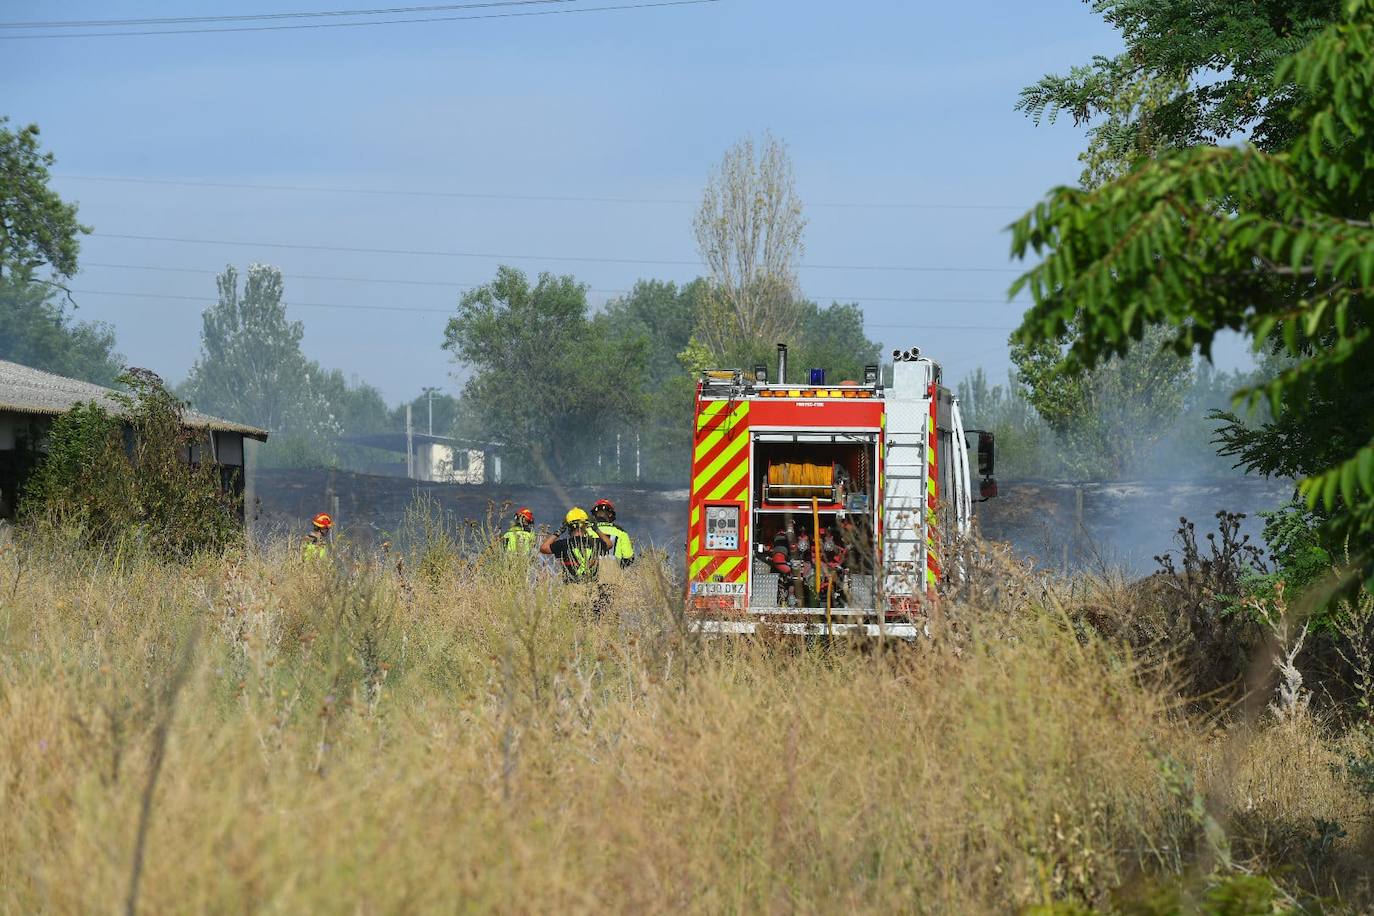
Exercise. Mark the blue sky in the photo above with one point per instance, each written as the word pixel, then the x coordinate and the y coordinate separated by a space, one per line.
pixel 880 102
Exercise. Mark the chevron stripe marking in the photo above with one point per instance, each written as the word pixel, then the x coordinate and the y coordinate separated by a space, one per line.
pixel 703 477
pixel 713 438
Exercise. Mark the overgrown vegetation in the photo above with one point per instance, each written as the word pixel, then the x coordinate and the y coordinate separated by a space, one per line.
pixel 372 735
pixel 120 480
pixel 1273 241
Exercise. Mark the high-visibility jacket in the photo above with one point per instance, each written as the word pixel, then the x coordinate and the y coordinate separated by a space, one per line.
pixel 519 540
pixel 622 548
pixel 315 549
pixel 579 555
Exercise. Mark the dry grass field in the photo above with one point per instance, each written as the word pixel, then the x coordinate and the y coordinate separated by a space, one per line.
pixel 438 734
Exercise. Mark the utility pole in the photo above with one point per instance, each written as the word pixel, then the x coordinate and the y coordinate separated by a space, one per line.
pixel 429 402
pixel 410 446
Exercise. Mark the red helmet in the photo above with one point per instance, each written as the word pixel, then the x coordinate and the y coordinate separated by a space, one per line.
pixel 604 504
pixel 323 521
pixel 525 513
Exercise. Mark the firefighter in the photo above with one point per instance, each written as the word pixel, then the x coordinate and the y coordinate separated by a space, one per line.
pixel 316 544
pixel 622 548
pixel 519 538
pixel 578 546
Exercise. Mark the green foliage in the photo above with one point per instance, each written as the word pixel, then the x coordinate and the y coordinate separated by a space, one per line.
pixel 1105 442
pixel 449 416
pixel 1192 72
pixel 82 480
pixel 664 315
pixel 1026 446
pixel 1293 536
pixel 559 386
pixel 1107 417
pixel 1276 245
pixel 251 369
pixel 550 382
pixel 122 479
pixel 37 227
pixel 37 330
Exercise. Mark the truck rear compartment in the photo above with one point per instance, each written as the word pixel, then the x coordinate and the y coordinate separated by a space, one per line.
pixel 800 479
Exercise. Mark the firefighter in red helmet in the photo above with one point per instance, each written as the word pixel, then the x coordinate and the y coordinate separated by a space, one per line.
pixel 622 548
pixel 316 545
pixel 519 538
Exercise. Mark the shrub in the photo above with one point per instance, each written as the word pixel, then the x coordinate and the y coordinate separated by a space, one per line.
pixel 124 478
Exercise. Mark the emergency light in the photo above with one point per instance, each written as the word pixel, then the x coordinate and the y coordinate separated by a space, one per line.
pixel 818 376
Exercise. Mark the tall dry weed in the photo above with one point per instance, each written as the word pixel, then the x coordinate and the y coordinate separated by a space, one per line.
pixel 387 732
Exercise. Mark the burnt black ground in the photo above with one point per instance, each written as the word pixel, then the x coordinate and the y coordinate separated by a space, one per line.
pixel 1124 524
pixel 372 509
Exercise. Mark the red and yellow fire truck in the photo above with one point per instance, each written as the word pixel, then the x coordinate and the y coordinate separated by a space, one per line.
pixel 823 508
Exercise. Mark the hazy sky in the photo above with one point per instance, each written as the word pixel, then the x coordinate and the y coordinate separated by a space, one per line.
pixel 880 102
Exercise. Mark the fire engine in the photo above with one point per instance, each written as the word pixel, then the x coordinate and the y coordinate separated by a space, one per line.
pixel 819 508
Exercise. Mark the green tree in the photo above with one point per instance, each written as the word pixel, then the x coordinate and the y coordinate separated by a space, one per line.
pixel 37 330
pixel 1277 245
pixel 251 369
pixel 833 338
pixel 37 227
pixel 664 315
pixel 449 418
pixel 1192 72
pixel 40 230
pixel 1106 418
pixel 552 384
pixel 1026 447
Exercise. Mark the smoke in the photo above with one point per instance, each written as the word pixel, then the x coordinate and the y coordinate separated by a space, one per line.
pixel 1108 491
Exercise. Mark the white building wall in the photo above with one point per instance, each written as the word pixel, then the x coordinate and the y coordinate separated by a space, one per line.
pixel 439 463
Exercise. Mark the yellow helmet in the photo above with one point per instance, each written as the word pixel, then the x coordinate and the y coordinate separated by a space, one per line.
pixel 575 515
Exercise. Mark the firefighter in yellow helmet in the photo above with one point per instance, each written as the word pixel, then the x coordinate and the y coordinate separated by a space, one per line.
pixel 577 546
pixel 316 544
pixel 519 538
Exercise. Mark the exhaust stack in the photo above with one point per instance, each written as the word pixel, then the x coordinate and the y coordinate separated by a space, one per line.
pixel 782 364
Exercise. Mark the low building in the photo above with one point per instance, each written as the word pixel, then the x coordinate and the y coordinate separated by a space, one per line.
pixel 438 459
pixel 30 399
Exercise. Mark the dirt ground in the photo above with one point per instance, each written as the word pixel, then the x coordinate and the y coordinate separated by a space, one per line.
pixel 1121 524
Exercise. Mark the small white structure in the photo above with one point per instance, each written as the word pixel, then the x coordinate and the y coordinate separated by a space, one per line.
pixel 438 459
pixel 442 462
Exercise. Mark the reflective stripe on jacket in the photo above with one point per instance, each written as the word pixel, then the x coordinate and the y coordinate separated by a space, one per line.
pixel 580 556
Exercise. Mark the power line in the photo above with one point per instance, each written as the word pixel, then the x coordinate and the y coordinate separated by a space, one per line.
pixel 344 25
pixel 475 195
pixel 293 304
pixel 531 257
pixel 448 285
pixel 408 308
pixel 306 14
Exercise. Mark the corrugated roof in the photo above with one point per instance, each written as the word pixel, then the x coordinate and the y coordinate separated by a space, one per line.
pixel 24 389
